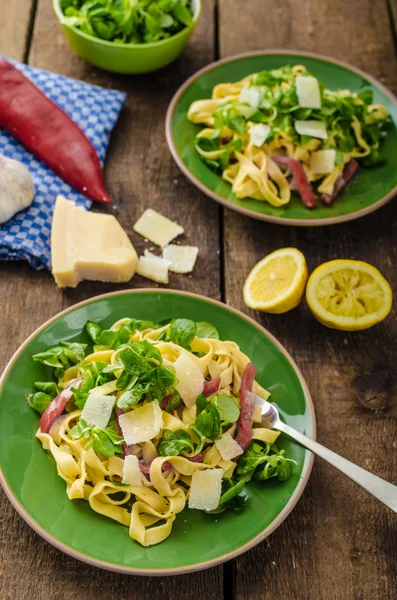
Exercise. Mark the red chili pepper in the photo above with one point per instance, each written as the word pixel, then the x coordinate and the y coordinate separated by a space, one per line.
pixel 211 387
pixel 43 127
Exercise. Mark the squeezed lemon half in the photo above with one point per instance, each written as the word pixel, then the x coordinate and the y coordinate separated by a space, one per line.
pixel 348 295
pixel 277 282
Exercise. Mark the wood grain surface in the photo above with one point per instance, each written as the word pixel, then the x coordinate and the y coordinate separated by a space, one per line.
pixel 339 543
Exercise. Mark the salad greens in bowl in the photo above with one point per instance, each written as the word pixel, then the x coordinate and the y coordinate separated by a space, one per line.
pixel 128 36
pixel 65 436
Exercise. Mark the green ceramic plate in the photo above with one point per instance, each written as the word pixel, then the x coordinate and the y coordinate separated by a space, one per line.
pixel 369 190
pixel 198 540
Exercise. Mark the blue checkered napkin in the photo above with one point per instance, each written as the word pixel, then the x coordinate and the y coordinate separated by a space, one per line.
pixel 95 110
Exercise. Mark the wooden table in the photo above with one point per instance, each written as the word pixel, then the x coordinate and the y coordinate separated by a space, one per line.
pixel 339 543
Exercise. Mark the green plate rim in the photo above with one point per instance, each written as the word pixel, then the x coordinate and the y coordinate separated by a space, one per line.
pixel 252 213
pixel 306 470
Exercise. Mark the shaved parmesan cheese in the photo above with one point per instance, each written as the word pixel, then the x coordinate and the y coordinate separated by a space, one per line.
pixel 228 447
pixel 182 258
pixel 157 228
pixel 131 471
pixel 251 96
pixel 322 161
pixel 190 379
pixel 141 424
pixel 154 268
pixel 98 409
pixel 308 91
pixel 206 488
pixel 258 134
pixel 314 129
pixel 149 254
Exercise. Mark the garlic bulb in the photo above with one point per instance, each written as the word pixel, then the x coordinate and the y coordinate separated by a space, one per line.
pixel 16 188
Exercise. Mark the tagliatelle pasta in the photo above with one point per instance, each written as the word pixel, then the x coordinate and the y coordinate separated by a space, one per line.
pixel 132 365
pixel 287 112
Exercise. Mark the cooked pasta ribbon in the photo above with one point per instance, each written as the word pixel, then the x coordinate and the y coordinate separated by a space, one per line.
pixel 267 103
pixel 148 510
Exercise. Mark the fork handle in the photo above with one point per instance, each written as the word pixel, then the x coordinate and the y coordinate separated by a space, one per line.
pixel 378 487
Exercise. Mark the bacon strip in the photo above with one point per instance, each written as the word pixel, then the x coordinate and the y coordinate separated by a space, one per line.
pixel 211 387
pixel 144 466
pixel 348 173
pixel 58 405
pixel 247 404
pixel 300 182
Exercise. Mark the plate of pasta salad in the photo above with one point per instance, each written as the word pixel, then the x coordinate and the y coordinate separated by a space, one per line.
pixel 132 436
pixel 287 137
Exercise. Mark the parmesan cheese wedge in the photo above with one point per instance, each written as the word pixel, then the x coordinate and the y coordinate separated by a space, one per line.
pixel 157 228
pixel 182 258
pixel 206 489
pixel 322 161
pixel 142 424
pixel 259 134
pixel 87 245
pixel 190 379
pixel 131 471
pixel 98 410
pixel 316 129
pixel 228 447
pixel 154 268
pixel 308 91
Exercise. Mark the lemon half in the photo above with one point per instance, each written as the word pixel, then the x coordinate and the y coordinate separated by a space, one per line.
pixel 277 283
pixel 348 295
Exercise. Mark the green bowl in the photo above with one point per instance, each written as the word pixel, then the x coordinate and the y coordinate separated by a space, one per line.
pixel 28 473
pixel 368 191
pixel 128 58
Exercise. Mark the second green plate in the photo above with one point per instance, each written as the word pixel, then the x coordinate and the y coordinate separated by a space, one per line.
pixel 370 189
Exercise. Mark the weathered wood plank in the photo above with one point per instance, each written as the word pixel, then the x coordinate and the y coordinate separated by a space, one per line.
pixel 339 542
pixel 139 173
pixel 15 21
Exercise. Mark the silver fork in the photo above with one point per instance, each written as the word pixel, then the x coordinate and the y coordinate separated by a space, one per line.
pixel 381 489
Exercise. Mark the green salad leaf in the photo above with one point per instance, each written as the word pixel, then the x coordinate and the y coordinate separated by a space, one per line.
pixel 128 21
pixel 48 390
pixel 231 497
pixel 61 357
pixel 228 408
pixel 143 375
pixel 207 425
pixel 94 374
pixel 206 330
pixel 174 402
pixel 173 443
pixel 263 461
pixel 183 332
pixel 105 441
pixel 115 339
